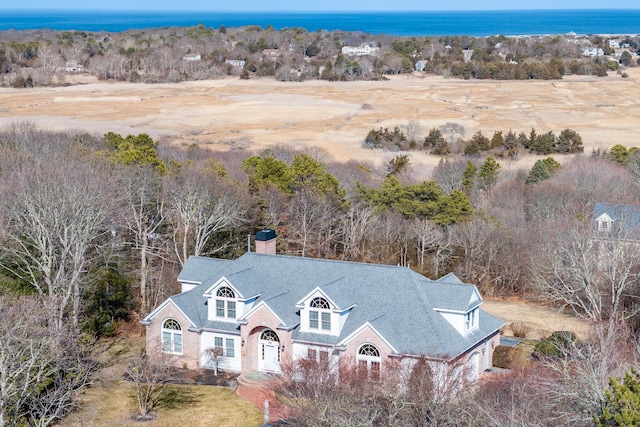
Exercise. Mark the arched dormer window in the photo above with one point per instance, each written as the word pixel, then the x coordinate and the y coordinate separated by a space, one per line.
pixel 320 314
pixel 171 336
pixel 368 360
pixel 226 303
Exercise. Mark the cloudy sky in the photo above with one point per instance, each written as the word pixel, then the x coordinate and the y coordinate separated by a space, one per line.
pixel 307 5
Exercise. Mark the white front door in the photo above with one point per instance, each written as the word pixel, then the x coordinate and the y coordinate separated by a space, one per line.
pixel 269 352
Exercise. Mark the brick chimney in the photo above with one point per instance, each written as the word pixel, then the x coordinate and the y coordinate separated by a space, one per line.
pixel 266 241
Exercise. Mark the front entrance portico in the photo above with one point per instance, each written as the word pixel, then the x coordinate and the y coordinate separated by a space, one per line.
pixel 269 351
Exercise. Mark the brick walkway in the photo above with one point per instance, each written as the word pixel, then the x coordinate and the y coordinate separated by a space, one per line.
pixel 255 388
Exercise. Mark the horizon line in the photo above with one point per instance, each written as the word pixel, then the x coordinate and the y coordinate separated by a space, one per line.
pixel 61 9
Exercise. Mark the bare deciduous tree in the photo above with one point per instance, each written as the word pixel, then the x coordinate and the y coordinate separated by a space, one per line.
pixel 322 393
pixel 594 276
pixel 312 221
pixel 449 174
pixel 355 228
pixel 453 129
pixel 149 376
pixel 54 209
pixel 427 235
pixel 144 216
pixel 199 213
pixel 42 366
pixel 479 241
pixel 580 374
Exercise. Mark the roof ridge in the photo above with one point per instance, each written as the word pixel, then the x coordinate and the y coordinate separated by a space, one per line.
pixel 332 261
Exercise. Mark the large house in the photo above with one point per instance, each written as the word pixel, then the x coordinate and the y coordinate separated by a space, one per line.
pixel 365 49
pixel 253 313
pixel 593 52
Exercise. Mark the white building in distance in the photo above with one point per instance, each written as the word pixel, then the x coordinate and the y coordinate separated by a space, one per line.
pixel 365 49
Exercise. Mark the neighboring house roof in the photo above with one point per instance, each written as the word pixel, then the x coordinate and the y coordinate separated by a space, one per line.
pixel 625 218
pixel 397 302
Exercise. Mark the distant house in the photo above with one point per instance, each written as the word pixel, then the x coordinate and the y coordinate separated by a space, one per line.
pixel 468 54
pixel 271 53
pixel 616 220
pixel 236 63
pixel 73 67
pixel 262 309
pixel 365 49
pixel 614 44
pixel 192 57
pixel 420 65
pixel 593 52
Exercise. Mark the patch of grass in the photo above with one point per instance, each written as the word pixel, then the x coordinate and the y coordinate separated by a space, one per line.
pixel 111 402
pixel 114 405
pixel 540 320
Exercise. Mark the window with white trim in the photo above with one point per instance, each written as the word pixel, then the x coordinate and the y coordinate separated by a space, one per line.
pixel 368 361
pixel 217 345
pixel 226 303
pixel 171 336
pixel 224 347
pixel 320 356
pixel 229 348
pixel 320 314
pixel 471 320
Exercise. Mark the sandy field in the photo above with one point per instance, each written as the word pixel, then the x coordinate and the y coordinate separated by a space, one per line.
pixel 540 320
pixel 232 113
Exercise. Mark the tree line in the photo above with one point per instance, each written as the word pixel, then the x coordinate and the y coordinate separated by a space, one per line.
pixel 501 144
pixel 96 228
pixel 43 57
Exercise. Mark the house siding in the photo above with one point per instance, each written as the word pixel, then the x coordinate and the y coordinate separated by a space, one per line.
pixel 258 321
pixel 367 336
pixel 190 356
pixel 484 352
pixel 233 364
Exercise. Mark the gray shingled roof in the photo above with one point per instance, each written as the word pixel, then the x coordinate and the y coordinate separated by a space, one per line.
pixel 626 218
pixel 398 302
pixel 198 269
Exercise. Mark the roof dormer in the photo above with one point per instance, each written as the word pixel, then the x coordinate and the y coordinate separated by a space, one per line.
pixel 604 222
pixel 319 314
pixel 225 303
pixel 460 308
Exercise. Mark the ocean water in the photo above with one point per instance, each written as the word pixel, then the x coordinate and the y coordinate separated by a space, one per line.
pixel 472 23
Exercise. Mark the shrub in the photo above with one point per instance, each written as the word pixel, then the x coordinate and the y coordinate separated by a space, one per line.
pixel 519 329
pixel 509 357
pixel 555 345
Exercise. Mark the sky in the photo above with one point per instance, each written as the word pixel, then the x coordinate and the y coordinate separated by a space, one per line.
pixel 307 5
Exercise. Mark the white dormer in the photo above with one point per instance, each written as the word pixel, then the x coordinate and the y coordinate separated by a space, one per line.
pixel 225 303
pixel 604 222
pixel 188 285
pixel 320 315
pixel 465 319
